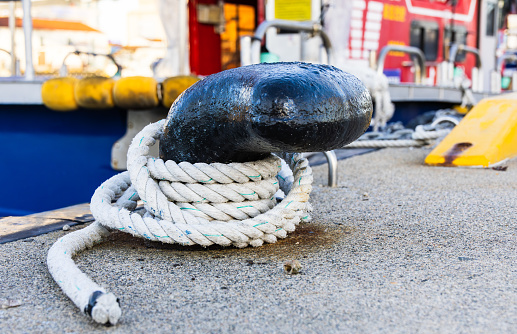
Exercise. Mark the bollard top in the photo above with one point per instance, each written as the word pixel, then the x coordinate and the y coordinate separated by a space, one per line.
pixel 245 113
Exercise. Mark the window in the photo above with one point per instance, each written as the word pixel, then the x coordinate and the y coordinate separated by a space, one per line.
pixel 424 35
pixel 458 36
pixel 491 7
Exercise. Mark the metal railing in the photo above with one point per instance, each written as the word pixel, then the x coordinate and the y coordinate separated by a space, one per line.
pixel 414 52
pixel 3 50
pixel 15 64
pixel 63 71
pixel 250 46
pixel 496 75
pixel 503 58
pixel 477 73
pixel 455 48
pixel 27 32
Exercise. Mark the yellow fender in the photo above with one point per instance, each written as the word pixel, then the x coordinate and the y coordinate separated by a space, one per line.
pixel 173 87
pixel 58 94
pixel 486 136
pixel 95 93
pixel 136 93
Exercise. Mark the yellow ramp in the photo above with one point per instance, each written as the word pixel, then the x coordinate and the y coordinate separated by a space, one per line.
pixel 487 135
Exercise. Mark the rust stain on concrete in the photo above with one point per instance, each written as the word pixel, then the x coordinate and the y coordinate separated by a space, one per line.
pixel 308 238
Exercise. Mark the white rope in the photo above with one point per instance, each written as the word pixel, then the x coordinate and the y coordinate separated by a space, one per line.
pixel 188 204
pixel 420 137
pixel 378 86
pixel 385 143
pixel 421 134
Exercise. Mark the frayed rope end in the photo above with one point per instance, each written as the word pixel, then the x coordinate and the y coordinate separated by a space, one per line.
pixel 104 308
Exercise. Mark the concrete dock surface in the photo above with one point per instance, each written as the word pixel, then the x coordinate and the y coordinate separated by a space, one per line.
pixel 397 247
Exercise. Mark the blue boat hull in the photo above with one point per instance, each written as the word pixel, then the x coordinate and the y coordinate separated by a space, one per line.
pixel 51 160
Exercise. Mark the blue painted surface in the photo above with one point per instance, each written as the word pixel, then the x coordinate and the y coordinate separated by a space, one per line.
pixel 407 112
pixel 393 75
pixel 49 160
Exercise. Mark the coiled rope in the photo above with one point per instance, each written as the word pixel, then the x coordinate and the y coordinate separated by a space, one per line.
pixel 189 204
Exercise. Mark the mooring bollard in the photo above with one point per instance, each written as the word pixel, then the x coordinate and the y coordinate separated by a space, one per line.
pixel 221 132
pixel 246 113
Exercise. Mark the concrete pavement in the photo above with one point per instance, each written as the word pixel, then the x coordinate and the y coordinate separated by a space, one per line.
pixel 398 247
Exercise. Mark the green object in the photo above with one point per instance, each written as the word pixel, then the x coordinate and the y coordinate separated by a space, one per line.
pixel 267 57
pixel 505 82
pixel 459 72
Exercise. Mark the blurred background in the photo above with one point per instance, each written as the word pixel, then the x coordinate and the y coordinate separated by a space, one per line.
pixel 131 30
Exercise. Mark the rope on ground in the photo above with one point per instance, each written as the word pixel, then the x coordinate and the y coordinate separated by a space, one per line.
pixel 188 204
pixel 419 137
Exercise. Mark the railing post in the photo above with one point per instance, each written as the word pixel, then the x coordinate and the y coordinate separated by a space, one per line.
pixel 411 50
pixel 245 50
pixel 496 75
pixel 310 27
pixel 495 82
pixel 12 30
pixel 332 162
pixel 27 32
pixel 477 79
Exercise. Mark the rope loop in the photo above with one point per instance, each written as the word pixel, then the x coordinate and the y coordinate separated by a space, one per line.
pixel 205 204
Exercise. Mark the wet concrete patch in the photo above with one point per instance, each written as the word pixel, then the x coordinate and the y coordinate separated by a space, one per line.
pixel 308 238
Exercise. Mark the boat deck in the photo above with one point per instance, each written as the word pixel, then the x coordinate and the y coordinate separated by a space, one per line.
pixel 396 247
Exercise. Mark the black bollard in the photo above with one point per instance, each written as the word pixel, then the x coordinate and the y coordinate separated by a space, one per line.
pixel 245 113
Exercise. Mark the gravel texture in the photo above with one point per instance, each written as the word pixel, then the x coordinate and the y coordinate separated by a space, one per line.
pixel 398 247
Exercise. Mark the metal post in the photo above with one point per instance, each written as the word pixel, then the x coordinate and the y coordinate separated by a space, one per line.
pixel 443 74
pixel 332 161
pixel 477 83
pixel 475 79
pixel 27 32
pixel 310 27
pixel 12 29
pixel 481 78
pixel 183 27
pixel 514 82
pixel 303 48
pixel 420 74
pixel 495 82
pixel 372 59
pixel 245 50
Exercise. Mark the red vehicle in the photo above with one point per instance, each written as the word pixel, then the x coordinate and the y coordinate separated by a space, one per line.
pixel 431 26
pixel 358 30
